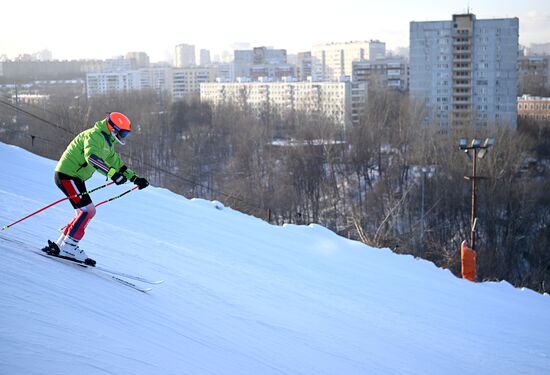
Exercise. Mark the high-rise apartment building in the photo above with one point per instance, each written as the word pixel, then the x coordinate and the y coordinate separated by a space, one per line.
pixel 303 66
pixel 204 57
pixel 141 59
pixel 331 62
pixel 465 70
pixel 262 62
pixel 185 55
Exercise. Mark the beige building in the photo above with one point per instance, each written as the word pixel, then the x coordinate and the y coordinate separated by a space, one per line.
pixel 331 62
pixel 187 81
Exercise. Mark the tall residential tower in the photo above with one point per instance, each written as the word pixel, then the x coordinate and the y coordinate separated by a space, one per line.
pixel 465 70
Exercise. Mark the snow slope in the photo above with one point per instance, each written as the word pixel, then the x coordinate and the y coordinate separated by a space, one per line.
pixel 240 296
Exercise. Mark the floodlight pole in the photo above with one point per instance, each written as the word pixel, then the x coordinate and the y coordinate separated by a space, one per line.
pixel 478 151
pixel 474 187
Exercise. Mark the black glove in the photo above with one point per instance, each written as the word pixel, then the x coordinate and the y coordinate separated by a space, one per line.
pixel 141 182
pixel 118 178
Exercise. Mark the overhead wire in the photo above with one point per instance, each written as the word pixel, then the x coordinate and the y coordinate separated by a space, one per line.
pixel 125 155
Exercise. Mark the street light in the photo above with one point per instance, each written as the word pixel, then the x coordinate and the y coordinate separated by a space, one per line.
pixel 476 150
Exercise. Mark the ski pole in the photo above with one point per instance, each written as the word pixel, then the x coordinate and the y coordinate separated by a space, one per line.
pixel 56 202
pixel 118 196
pixel 109 200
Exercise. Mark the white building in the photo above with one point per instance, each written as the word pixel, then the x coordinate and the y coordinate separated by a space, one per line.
pixel 187 81
pixel 204 57
pixel 465 70
pixel 262 62
pixel 185 55
pixel 331 99
pixel 153 78
pixel 331 62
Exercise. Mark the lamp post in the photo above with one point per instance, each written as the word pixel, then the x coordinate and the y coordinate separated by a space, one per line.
pixel 475 150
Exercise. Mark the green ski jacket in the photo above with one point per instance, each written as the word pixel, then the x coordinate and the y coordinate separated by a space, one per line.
pixel 91 150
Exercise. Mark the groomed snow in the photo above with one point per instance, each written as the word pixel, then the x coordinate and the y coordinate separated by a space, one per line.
pixel 240 296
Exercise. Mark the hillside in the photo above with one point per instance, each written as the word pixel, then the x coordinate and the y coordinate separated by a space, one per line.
pixel 240 296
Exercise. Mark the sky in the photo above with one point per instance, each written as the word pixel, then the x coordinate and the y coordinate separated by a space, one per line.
pixel 106 28
pixel 240 296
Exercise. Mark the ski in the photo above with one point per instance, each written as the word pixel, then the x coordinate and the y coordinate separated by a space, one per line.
pixel 113 277
pixel 129 284
pixel 132 277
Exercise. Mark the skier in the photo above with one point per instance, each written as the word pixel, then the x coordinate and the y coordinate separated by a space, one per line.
pixel 90 151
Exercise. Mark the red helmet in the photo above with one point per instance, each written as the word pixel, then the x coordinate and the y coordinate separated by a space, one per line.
pixel 118 125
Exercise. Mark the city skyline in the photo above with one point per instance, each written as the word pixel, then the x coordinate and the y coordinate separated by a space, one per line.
pixel 112 28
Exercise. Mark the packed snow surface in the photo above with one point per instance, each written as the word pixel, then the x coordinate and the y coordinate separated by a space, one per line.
pixel 240 296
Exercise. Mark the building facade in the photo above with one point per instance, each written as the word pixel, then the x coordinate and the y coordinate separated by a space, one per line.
pixel 534 74
pixel 262 62
pixel 204 57
pixel 141 59
pixel 389 72
pixel 534 108
pixel 157 78
pixel 331 99
pixel 187 81
pixel 303 66
pixel 332 62
pixel 465 70
pixel 185 55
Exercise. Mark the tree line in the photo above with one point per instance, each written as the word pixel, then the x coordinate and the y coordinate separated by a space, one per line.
pixel 365 182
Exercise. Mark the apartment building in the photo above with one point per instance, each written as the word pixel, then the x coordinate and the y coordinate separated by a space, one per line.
pixel 303 66
pixel 332 62
pixel 535 108
pixel 262 62
pixel 158 78
pixel 464 70
pixel 187 81
pixel 185 55
pixel 332 99
pixel 389 72
pixel 534 74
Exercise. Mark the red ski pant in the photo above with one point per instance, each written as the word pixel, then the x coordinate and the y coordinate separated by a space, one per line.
pixel 84 208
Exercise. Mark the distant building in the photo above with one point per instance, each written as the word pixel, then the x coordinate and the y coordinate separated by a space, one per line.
pixel 539 49
pixel 464 70
pixel 331 99
pixel 119 64
pixel 205 57
pixel 262 62
pixel 185 55
pixel 534 108
pixel 534 74
pixel 141 59
pixel 27 71
pixel 331 62
pixel 303 66
pixel 187 81
pixel 226 72
pixel 389 72
pixel 44 55
pixel 157 78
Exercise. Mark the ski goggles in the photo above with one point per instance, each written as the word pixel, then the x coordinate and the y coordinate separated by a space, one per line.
pixel 121 132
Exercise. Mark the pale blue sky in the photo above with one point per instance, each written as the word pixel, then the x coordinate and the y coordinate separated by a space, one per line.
pixel 105 28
